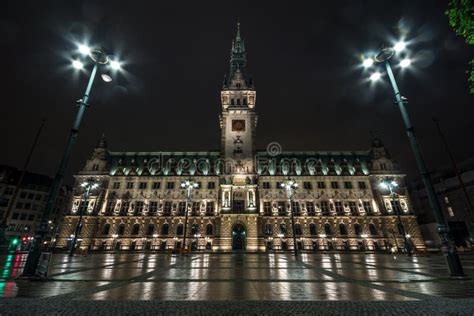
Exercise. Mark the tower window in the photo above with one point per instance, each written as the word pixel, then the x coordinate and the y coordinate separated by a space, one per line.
pixel 232 102
pixel 450 211
pixel 238 101
pixel 245 101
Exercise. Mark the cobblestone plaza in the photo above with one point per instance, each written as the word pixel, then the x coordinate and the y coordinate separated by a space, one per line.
pixel 137 283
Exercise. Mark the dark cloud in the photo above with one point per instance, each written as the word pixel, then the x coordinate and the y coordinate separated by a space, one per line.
pixel 302 56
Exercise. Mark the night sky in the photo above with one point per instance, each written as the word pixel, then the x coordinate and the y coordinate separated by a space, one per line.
pixel 303 59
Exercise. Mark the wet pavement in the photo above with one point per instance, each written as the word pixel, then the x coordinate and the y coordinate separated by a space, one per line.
pixel 123 277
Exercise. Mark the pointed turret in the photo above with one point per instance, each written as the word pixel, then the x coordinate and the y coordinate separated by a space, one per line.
pixel 238 56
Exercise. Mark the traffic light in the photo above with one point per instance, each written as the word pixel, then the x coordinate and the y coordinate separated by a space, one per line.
pixel 24 239
pixel 14 241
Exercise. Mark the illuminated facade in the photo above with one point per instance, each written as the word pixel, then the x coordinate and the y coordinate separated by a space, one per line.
pixel 239 204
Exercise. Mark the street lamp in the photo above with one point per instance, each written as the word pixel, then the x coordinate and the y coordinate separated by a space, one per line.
pixel 454 264
pixel 188 185
pixel 100 59
pixel 391 184
pixel 290 186
pixel 88 185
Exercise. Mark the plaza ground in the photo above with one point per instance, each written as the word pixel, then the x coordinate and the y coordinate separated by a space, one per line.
pixel 212 283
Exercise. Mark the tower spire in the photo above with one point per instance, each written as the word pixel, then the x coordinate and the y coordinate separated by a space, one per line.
pixel 238 30
pixel 238 56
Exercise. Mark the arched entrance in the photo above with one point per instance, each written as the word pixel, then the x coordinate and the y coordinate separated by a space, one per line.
pixel 238 237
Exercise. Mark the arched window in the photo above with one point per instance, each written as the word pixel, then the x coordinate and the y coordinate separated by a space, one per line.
pixel 121 229
pixel 151 229
pixel 268 229
pixel 327 229
pixel 313 229
pixel 165 229
pixel 283 228
pixel 357 230
pixel 342 229
pixel 136 229
pixel 179 229
pixel 297 229
pixel 209 229
pixel 106 229
pixel 194 229
pixel 372 229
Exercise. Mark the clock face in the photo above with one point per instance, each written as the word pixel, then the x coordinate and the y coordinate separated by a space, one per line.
pixel 238 125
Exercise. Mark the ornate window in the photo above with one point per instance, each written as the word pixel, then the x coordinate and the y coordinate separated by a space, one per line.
pixel 121 229
pixel 372 229
pixel 310 208
pixel 327 229
pixel 165 229
pixel 179 229
pixel 151 229
pixel 268 229
pixel 313 231
pixel 298 230
pixel 342 229
pixel 136 229
pixel 209 230
pixel 283 229
pixel 353 208
pixel 367 207
pixel 153 208
pixel 267 208
pixel 106 229
pixel 357 230
pixel 194 229
pixel 339 208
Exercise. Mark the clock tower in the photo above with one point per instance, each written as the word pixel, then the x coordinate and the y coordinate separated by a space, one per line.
pixel 238 120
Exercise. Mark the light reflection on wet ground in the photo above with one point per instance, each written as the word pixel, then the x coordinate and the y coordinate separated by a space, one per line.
pixel 136 276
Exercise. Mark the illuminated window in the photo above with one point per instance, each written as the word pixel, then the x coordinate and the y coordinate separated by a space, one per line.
pixel 450 211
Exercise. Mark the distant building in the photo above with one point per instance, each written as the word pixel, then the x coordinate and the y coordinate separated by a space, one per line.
pixel 30 202
pixel 240 204
pixel 453 203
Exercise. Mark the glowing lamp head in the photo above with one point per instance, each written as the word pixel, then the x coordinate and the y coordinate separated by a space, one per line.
pixel 77 64
pixel 375 76
pixel 84 49
pixel 368 62
pixel 398 47
pixel 115 65
pixel 106 78
pixel 405 63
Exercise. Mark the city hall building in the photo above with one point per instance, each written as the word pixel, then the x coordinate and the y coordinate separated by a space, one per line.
pixel 239 204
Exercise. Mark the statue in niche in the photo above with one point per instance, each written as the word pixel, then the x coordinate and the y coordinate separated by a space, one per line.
pixel 238 145
pixel 239 167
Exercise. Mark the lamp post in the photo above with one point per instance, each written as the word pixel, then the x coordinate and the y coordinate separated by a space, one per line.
pixel 99 59
pixel 188 185
pixel 290 186
pixel 88 185
pixel 383 57
pixel 391 184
